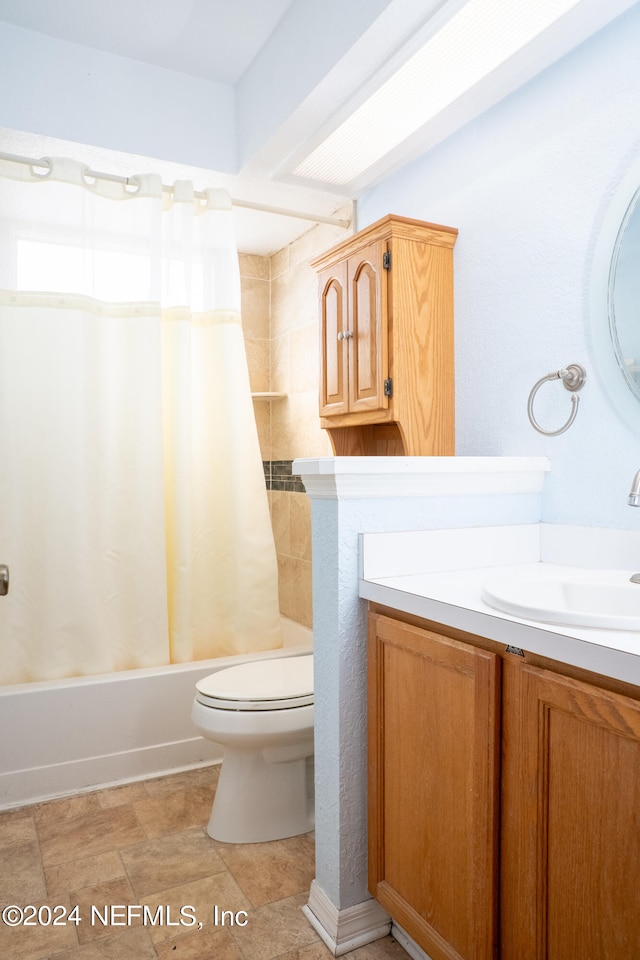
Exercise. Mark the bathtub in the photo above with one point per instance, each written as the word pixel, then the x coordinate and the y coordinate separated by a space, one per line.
pixel 59 737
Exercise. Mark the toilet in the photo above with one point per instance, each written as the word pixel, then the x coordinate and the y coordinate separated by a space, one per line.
pixel 262 714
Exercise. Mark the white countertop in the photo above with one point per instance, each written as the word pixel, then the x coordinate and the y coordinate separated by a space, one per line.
pixel 453 598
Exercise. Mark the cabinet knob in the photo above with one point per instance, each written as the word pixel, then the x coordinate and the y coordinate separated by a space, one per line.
pixel 345 335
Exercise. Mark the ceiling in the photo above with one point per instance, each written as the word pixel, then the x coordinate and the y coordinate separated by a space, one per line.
pixel 213 39
pixel 216 40
pixel 293 72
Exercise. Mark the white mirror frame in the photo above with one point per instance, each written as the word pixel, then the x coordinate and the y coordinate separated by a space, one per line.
pixel 618 391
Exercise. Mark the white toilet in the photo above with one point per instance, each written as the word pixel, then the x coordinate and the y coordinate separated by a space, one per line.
pixel 262 714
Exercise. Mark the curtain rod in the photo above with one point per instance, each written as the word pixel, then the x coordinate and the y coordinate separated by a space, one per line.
pixel 246 204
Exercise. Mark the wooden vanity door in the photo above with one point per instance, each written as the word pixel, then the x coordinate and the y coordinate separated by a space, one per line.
pixel 570 878
pixel 433 788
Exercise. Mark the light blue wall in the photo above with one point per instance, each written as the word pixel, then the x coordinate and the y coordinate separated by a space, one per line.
pixel 527 184
pixel 71 92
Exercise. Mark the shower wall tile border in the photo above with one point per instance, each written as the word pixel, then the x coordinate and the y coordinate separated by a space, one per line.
pixel 278 475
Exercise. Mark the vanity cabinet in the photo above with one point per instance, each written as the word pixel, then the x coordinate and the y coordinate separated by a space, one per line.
pixel 433 787
pixel 386 340
pixel 504 799
pixel 570 825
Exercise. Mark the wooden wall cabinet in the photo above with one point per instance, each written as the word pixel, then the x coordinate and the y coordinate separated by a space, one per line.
pixel 504 800
pixel 386 340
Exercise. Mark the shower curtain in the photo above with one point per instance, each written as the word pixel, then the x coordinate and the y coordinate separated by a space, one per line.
pixel 133 511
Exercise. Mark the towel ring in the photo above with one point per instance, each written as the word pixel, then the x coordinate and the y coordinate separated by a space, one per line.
pixel 573 378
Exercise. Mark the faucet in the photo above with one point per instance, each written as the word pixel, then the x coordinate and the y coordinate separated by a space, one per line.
pixel 634 501
pixel 634 493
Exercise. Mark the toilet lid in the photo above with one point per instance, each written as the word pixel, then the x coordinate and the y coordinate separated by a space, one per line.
pixel 277 684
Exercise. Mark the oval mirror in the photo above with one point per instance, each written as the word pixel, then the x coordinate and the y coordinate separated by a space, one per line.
pixel 615 298
pixel 624 296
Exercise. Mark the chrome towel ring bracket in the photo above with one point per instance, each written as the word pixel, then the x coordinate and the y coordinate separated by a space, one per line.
pixel 573 378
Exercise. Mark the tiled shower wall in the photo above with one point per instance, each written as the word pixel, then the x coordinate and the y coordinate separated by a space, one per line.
pixel 280 320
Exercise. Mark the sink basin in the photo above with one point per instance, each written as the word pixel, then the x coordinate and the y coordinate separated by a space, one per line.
pixel 590 598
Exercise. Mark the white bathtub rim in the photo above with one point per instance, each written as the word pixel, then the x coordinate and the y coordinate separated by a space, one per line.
pixel 52 755
pixel 290 648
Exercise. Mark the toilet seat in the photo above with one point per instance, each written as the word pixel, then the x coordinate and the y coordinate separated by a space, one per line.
pixel 279 684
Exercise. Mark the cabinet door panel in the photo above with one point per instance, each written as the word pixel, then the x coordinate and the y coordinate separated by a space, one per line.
pixel 570 819
pixel 433 786
pixel 334 359
pixel 367 321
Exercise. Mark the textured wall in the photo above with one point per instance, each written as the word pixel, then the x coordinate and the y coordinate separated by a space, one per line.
pixel 527 184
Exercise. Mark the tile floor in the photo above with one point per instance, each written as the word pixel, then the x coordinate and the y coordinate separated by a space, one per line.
pixel 145 845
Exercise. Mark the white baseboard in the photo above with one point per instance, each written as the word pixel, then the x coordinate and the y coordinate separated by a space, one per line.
pixel 405 941
pixel 30 785
pixel 344 930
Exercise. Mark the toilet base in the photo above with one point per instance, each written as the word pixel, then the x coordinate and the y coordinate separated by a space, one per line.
pixel 257 800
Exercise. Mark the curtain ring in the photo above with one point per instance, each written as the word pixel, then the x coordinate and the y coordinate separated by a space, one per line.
pixel 43 162
pixel 573 378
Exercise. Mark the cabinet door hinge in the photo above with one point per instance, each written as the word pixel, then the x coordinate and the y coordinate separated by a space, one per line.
pixel 388 387
pixel 386 260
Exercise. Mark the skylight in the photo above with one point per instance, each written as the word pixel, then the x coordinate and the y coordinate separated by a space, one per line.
pixel 477 39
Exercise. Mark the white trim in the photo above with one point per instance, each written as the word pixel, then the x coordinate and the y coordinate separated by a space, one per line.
pixel 338 478
pixel 49 781
pixel 407 943
pixel 345 930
